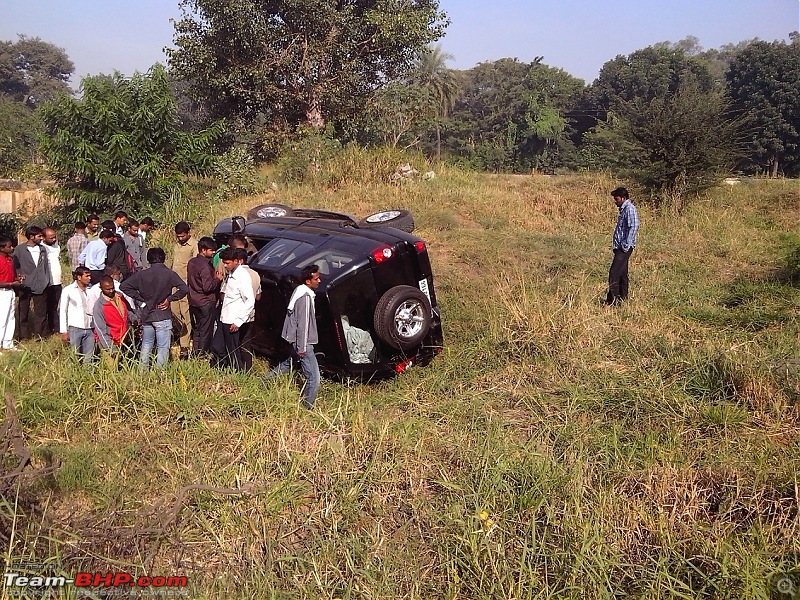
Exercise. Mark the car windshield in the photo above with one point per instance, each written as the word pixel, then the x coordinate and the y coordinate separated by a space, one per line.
pixel 280 252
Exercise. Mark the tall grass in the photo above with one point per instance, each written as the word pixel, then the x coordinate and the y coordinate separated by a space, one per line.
pixel 556 449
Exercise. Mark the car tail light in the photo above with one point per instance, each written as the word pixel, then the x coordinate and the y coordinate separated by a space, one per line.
pixel 382 254
pixel 420 246
pixel 404 366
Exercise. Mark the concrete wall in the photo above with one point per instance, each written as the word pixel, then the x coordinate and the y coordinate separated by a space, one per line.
pixel 23 201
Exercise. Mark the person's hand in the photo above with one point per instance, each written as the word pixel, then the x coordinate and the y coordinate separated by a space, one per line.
pixel 234 328
pixel 164 305
pixel 65 337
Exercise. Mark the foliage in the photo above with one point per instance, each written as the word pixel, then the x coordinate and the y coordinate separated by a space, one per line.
pixel 10 226
pixel 296 62
pixel 120 144
pixel 512 115
pixel 401 113
pixel 235 173
pixel 764 84
pixel 33 71
pixel 665 125
pixel 302 158
pixel 19 127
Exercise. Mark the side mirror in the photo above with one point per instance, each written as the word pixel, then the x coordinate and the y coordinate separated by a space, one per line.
pixel 237 224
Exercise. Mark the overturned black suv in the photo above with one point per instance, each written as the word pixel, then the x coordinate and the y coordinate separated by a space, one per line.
pixel 376 304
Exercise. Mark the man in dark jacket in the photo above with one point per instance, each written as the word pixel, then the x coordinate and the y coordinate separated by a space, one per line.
pixel 154 287
pixel 203 287
pixel 30 260
pixel 116 254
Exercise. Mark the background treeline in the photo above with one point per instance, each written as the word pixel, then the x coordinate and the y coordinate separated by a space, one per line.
pixel 246 83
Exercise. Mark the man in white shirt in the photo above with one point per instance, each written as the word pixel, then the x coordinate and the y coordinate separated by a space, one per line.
pixel 75 316
pixel 53 291
pixel 238 311
pixel 94 255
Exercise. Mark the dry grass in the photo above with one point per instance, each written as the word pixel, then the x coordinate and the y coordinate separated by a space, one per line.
pixel 556 449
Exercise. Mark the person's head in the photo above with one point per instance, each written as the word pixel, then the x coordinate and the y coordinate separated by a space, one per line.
pixel 6 245
pixel 619 194
pixel 133 227
pixel 240 254
pixel 114 272
pixel 229 260
pixel 83 276
pixel 49 236
pixel 80 227
pixel 120 218
pixel 146 224
pixel 156 256
pixel 33 234
pixel 93 224
pixel 182 231
pixel 108 225
pixel 206 246
pixel 238 241
pixel 107 236
pixel 310 276
pixel 107 286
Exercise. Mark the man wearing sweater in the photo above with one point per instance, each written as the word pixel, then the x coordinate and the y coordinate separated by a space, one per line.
pixel 300 329
pixel 155 288
pixel 30 260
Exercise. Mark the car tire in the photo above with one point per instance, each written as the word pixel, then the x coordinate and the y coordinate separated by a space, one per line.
pixel 399 219
pixel 403 317
pixel 265 211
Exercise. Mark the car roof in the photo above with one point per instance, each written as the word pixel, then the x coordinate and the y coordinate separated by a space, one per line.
pixel 312 228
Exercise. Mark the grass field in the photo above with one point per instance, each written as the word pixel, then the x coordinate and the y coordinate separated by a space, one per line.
pixel 555 449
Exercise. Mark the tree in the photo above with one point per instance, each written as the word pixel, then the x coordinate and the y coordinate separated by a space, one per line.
pixel 764 85
pixel 662 121
pixel 33 71
pixel 120 144
pixel 432 74
pixel 19 127
pixel 297 61
pixel 512 115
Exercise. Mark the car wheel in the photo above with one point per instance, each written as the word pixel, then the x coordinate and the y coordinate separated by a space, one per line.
pixel 267 211
pixel 403 317
pixel 399 219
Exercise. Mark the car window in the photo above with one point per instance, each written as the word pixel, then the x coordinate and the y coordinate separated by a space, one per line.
pixel 328 260
pixel 280 252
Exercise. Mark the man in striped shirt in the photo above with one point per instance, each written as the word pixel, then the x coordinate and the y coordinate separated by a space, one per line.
pixel 623 243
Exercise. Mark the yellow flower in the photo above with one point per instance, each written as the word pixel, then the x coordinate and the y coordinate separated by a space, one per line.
pixel 483 516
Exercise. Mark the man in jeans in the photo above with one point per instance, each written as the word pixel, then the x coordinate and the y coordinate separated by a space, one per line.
pixel 623 243
pixel 300 329
pixel 153 288
pixel 75 316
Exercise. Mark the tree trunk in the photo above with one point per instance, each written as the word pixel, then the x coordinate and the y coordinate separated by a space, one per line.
pixel 438 143
pixel 774 170
pixel 314 116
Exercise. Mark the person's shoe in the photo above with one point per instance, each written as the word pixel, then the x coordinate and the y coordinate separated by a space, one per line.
pixel 13 349
pixel 184 354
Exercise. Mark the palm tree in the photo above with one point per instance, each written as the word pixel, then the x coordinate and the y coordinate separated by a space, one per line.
pixel 432 74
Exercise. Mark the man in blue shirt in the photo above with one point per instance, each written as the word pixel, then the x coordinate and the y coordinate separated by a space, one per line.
pixel 623 243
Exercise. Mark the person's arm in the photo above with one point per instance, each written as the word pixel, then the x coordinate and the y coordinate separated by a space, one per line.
pixel 181 287
pixel 633 226
pixel 303 309
pixel 63 307
pixel 207 281
pixel 245 290
pixel 101 326
pixel 130 287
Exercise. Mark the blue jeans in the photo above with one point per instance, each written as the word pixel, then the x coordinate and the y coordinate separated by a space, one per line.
pixel 83 342
pixel 310 368
pixel 159 334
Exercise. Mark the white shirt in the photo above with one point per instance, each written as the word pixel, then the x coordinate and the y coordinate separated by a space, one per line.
pixel 75 308
pixel 35 251
pixel 239 301
pixel 255 277
pixel 55 264
pixel 95 291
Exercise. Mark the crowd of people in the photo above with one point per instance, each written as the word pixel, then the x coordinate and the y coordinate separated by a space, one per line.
pixel 125 303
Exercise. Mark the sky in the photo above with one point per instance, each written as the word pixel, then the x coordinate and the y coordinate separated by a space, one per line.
pixel 579 36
